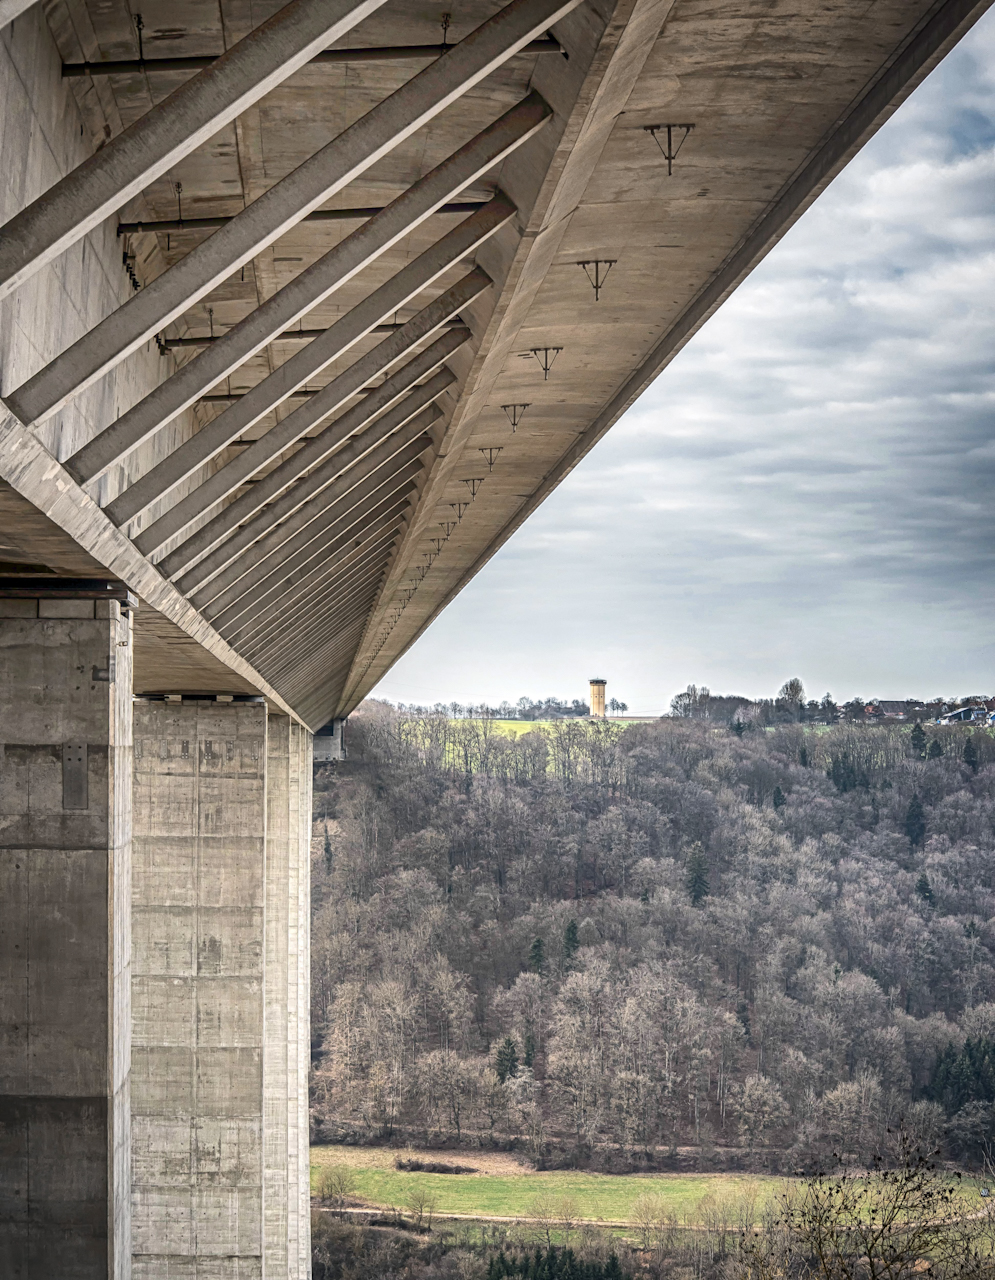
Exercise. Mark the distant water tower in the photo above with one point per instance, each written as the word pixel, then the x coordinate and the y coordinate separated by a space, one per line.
pixel 598 698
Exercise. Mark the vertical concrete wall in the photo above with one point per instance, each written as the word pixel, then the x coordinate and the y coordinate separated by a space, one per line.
pixel 287 1195
pixel 65 691
pixel 303 1190
pixel 279 823
pixel 222 802
pixel 198 936
pixel 42 137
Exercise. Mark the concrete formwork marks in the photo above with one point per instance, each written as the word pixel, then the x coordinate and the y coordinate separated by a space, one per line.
pixel 198 927
pixel 64 940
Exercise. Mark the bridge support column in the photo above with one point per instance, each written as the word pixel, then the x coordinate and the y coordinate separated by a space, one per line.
pixel 221 796
pixel 287 1051
pixel 65 850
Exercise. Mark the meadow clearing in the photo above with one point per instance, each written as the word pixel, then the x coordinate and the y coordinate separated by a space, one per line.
pixel 501 1188
pixel 515 728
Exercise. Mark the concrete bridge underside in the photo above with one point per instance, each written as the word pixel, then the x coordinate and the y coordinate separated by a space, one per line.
pixel 303 310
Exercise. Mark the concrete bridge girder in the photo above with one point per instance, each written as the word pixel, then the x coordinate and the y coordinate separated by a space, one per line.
pixel 291 430
pixel 344 468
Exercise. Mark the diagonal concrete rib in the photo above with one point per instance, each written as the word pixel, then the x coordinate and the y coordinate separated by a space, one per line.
pixel 284 205
pixel 355 526
pixel 311 542
pixel 310 455
pixel 361 579
pixel 243 573
pixel 364 584
pixel 348 623
pixel 405 419
pixel 315 601
pixel 172 129
pixel 317 282
pixel 336 476
pixel 354 572
pixel 278 658
pixel 217 435
pixel 296 668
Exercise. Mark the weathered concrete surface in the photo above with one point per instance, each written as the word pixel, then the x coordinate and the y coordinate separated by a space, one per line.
pixel 287 1046
pixel 65 854
pixel 222 801
pixel 198 1042
pixel 781 96
pixel 300 1171
pixel 11 9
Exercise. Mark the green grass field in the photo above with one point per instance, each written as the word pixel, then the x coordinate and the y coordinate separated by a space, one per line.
pixel 594 1197
pixel 515 728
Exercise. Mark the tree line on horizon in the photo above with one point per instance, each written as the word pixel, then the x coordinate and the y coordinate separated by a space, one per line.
pixel 789 706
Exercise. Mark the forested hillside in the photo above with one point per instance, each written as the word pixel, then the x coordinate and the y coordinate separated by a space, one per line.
pixel 602 944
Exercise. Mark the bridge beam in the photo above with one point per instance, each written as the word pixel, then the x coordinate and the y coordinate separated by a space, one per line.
pixel 322 278
pixel 294 668
pixel 270 554
pixel 321 598
pixel 280 208
pixel 228 426
pixel 320 541
pixel 315 451
pixel 172 129
pixel 327 483
pixel 345 567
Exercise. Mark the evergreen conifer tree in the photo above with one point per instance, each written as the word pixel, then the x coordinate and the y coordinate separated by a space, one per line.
pixel 529 1050
pixel 779 800
pixel 935 750
pixel 971 754
pixel 506 1061
pixel 915 822
pixel 696 875
pixel 924 889
pixel 571 941
pixel 917 740
pixel 537 956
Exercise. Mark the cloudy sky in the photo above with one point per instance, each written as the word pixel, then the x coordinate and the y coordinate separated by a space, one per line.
pixel 808 488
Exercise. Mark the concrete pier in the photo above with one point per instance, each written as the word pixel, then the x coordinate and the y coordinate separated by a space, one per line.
pixel 287 1040
pixel 65 855
pixel 219 1032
